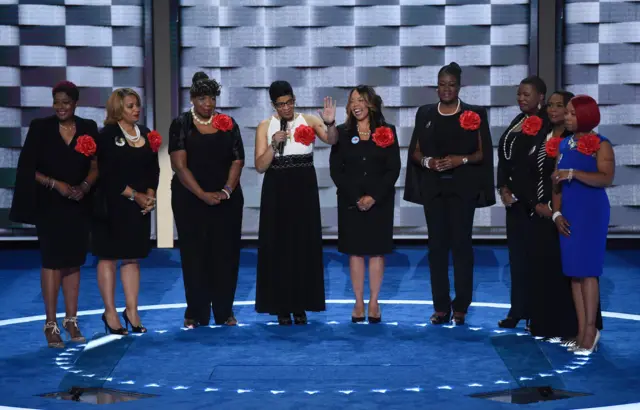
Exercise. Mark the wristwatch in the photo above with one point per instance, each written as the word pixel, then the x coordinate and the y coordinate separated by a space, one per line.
pixel 465 160
pixel 133 195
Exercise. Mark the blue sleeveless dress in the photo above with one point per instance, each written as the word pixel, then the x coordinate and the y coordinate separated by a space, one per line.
pixel 587 210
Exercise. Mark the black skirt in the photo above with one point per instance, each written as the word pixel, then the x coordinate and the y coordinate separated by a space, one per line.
pixel 365 233
pixel 290 272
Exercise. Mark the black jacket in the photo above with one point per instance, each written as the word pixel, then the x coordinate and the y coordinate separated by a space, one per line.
pixel 421 184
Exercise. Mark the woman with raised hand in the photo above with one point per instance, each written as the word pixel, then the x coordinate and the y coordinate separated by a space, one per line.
pixel 365 165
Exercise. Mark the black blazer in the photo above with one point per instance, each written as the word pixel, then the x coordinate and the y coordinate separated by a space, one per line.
pixel 542 166
pixel 23 207
pixel 112 178
pixel 359 170
pixel 517 172
pixel 421 185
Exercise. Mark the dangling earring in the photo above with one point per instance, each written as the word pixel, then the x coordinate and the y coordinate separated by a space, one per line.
pixel 539 106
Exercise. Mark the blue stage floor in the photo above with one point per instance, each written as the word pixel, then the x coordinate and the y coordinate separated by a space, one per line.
pixel 402 363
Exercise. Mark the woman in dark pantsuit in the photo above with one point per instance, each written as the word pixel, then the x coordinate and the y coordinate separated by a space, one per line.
pixel 517 191
pixel 207 156
pixel 450 173
pixel 54 177
pixel 365 165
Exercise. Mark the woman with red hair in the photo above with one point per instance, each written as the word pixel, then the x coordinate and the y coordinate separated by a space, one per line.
pixel 581 212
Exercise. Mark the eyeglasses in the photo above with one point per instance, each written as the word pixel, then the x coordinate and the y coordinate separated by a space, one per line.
pixel 290 103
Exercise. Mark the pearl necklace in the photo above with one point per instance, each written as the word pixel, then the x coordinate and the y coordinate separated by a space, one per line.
pixel 453 113
pixel 504 142
pixel 134 139
pixel 198 120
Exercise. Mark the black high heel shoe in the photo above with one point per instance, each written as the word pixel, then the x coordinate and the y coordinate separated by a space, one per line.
pixel 509 323
pixel 284 320
pixel 300 318
pixel 134 329
pixel 108 329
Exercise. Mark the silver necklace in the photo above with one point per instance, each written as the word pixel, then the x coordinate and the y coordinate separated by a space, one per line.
pixel 453 113
pixel 198 120
pixel 504 142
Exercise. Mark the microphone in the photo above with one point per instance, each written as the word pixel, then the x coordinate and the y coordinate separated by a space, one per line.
pixel 283 127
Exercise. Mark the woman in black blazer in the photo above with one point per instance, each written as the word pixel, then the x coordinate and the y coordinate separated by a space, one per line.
pixel 129 174
pixel 450 173
pixel 55 173
pixel 517 189
pixel 365 165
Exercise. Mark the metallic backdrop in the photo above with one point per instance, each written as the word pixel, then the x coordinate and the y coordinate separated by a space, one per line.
pixel 97 44
pixel 602 59
pixel 325 47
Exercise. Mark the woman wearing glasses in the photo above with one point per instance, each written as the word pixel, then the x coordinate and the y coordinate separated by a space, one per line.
pixel 290 277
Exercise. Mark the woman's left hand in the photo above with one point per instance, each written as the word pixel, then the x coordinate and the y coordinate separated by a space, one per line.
pixel 328 114
pixel 560 175
pixel 365 203
pixel 448 162
pixel 151 203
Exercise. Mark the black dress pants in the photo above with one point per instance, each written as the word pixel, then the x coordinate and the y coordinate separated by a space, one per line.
pixel 520 242
pixel 450 224
pixel 210 254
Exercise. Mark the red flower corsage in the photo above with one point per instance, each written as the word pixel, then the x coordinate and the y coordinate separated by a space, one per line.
pixel 383 137
pixel 222 122
pixel 588 144
pixel 531 126
pixel 155 140
pixel 470 120
pixel 304 134
pixel 552 146
pixel 86 145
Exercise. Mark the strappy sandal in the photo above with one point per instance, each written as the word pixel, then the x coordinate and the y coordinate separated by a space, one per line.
pixel 52 333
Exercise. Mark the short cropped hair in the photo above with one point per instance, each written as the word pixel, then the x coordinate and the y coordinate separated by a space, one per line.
pixel 279 89
pixel 115 104
pixel 587 112
pixel 68 88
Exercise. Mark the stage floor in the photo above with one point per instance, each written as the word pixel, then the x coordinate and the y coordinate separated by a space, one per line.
pixel 330 363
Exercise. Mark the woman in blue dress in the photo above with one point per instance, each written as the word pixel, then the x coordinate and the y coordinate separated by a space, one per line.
pixel 581 208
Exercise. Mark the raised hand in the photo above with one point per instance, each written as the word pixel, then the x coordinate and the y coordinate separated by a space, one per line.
pixel 328 113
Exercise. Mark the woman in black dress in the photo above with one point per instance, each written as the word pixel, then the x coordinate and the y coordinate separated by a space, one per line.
pixel 553 313
pixel 516 147
pixel 290 273
pixel 207 156
pixel 450 173
pixel 365 165
pixel 129 173
pixel 55 172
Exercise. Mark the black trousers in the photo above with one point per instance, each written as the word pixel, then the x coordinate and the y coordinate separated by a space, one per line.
pixel 520 242
pixel 210 253
pixel 450 224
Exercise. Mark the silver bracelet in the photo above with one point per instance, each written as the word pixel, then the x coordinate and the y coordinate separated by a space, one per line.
pixel 425 162
pixel 226 193
pixel 549 205
pixel 570 176
pixel 555 215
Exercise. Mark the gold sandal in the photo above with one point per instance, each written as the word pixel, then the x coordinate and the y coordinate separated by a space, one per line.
pixel 73 330
pixel 52 333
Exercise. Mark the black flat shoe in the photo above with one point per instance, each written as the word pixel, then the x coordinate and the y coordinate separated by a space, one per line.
pixel 437 319
pixel 284 320
pixel 300 318
pixel 458 319
pixel 374 320
pixel 355 319
pixel 508 323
